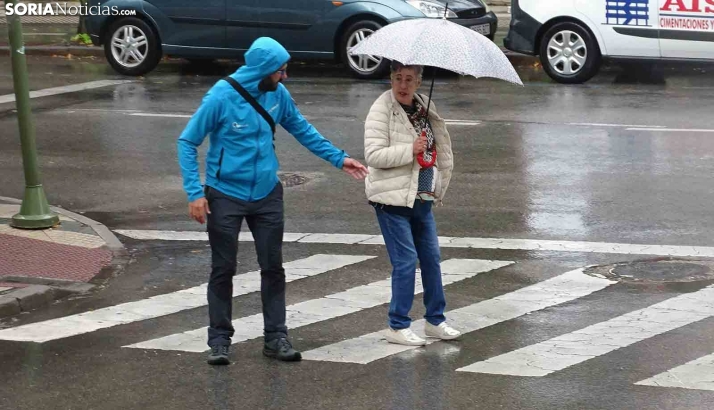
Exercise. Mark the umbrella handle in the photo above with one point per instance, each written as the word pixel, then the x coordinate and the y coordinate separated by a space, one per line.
pixel 420 158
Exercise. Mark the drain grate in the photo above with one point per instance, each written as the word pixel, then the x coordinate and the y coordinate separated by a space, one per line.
pixel 292 179
pixel 659 271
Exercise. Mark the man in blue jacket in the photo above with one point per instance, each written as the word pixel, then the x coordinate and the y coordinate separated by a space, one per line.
pixel 242 183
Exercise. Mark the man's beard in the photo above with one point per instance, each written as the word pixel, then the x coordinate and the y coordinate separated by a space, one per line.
pixel 266 85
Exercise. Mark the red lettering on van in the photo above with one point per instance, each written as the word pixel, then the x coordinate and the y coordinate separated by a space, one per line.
pixel 710 8
pixel 679 4
pixel 696 6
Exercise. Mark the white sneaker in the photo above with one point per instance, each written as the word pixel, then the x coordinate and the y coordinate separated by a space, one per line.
pixel 403 337
pixel 443 331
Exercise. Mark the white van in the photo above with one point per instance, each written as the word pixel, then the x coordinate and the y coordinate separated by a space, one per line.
pixel 572 36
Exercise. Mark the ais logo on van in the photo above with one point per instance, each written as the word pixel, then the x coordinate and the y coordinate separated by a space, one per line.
pixel 682 15
pixel 637 12
pixel 628 12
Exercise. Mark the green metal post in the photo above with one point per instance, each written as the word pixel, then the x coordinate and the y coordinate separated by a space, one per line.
pixel 35 212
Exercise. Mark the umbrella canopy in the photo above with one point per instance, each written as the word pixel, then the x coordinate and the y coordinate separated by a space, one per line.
pixel 439 43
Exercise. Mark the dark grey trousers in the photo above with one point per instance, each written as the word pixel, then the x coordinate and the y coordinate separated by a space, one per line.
pixel 265 220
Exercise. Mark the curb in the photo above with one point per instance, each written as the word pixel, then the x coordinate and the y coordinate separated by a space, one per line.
pixel 107 236
pixel 43 292
pixel 80 51
pixel 518 59
pixel 25 299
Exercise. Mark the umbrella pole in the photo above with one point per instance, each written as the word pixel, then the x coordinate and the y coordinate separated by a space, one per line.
pixel 431 90
pixel 433 71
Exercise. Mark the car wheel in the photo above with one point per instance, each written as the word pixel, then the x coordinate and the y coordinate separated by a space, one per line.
pixel 132 47
pixel 569 53
pixel 365 67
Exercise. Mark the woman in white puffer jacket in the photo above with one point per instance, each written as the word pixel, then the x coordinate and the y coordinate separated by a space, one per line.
pixel 410 164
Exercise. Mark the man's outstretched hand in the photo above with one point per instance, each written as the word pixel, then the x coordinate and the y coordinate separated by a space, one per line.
pixel 198 210
pixel 354 168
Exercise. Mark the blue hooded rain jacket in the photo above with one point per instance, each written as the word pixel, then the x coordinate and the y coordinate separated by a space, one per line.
pixel 241 160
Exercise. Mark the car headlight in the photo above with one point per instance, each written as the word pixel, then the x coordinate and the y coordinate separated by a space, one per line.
pixel 432 10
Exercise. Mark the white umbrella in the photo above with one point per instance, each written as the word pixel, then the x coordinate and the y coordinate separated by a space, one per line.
pixel 439 43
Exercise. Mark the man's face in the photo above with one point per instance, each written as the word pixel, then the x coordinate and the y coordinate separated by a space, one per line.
pixel 270 83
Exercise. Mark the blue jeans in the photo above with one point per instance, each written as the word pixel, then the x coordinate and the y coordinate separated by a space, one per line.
pixel 266 222
pixel 408 239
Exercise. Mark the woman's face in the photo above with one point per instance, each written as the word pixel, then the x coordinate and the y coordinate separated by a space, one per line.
pixel 405 82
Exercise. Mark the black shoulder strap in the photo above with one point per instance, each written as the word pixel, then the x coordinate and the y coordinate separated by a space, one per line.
pixel 246 96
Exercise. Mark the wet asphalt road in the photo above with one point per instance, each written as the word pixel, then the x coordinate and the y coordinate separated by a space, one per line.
pixel 626 158
pixel 525 172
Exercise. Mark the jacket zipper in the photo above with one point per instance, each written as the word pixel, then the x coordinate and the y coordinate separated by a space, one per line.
pixel 255 162
pixel 220 163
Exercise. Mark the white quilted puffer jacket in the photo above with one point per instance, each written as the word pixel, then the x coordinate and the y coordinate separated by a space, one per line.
pixel 388 150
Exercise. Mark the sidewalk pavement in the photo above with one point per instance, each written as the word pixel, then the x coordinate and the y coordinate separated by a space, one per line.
pixel 38 267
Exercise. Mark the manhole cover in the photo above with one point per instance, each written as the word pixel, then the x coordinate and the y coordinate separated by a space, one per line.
pixel 656 271
pixel 291 180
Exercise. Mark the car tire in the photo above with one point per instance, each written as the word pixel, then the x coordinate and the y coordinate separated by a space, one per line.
pixel 132 47
pixel 362 66
pixel 569 53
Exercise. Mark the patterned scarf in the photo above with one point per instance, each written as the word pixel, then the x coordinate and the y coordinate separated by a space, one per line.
pixel 421 123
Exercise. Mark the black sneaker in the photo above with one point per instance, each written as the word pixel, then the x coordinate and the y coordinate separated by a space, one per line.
pixel 281 349
pixel 219 356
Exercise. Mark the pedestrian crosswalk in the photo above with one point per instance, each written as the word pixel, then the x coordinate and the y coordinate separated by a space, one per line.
pixel 540 359
pixel 564 288
pixel 318 310
pixel 167 304
pixel 567 350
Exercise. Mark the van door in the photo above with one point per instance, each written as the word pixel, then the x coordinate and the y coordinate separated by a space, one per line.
pixel 629 28
pixel 687 29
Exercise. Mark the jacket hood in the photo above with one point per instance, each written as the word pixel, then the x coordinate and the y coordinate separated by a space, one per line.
pixel 264 57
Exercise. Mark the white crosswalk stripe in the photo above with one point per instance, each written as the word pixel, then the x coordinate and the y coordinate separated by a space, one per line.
pixel 319 310
pixel 570 349
pixel 561 289
pixel 451 242
pixel 696 375
pixel 169 303
pixel 72 88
